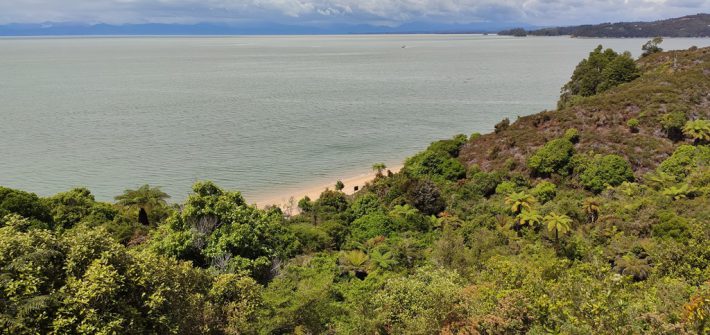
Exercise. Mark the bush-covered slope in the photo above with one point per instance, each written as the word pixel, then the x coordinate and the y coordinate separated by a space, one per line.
pixel 671 83
pixel 592 219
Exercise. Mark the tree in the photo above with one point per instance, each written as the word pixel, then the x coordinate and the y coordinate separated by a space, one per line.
pixel 553 157
pixel 620 70
pixel 531 218
pixel 602 70
pixel 673 123
pixel 28 205
pixel 354 262
pixel 652 46
pixel 378 168
pixel 339 186
pixel 559 223
pixel 519 202
pixel 544 191
pixel 606 170
pixel 151 200
pixel 591 208
pixel 698 131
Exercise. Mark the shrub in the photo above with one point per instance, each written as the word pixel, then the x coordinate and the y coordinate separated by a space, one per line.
pixel 572 135
pixel 620 70
pixel 332 202
pixel 28 205
pixel 553 157
pixel 311 238
pixel 371 225
pixel 482 183
pixel 426 197
pixel 544 191
pixel 609 170
pixel 684 160
pixel 602 70
pixel 633 125
pixel 672 123
pixel 437 164
pixel 652 46
pixel 671 225
pixel 364 205
pixel 502 125
pixel 698 130
pixel 506 187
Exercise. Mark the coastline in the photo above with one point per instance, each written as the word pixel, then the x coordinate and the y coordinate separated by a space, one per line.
pixel 282 198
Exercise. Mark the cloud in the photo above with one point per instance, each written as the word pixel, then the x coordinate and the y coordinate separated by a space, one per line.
pixel 319 12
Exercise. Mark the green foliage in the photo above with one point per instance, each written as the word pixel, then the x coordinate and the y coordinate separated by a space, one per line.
pixel 572 135
pixel 672 123
pixel 553 157
pixel 438 161
pixel 633 124
pixel 306 205
pixel 684 160
pixel 544 191
pixel 519 202
pixel 506 187
pixel 698 130
pixel 671 225
pixel 150 199
pixel 620 70
pixel 611 170
pixel 412 253
pixel 331 202
pixel 652 46
pixel 417 304
pixel 602 70
pixel 559 223
pixel 68 208
pixel 371 225
pixel 26 204
pixel 481 183
pixel 339 186
pixel 216 228
pixel 365 204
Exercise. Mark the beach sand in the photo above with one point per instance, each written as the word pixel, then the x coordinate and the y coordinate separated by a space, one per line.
pixel 313 192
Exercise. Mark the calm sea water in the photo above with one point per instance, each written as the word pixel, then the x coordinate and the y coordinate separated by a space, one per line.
pixel 259 114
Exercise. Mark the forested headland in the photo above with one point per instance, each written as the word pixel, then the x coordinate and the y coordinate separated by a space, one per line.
pixel 593 218
pixel 687 26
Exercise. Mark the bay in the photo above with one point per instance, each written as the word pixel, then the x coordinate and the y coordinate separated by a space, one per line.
pixel 260 114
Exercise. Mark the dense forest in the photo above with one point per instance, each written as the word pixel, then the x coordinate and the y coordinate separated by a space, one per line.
pixel 590 219
pixel 687 26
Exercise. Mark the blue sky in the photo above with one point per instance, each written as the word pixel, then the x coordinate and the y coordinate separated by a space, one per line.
pixel 350 12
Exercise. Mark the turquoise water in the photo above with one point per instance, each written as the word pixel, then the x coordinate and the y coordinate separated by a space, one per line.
pixel 259 114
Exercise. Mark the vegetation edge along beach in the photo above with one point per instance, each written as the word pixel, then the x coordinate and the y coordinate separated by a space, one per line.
pixel 593 218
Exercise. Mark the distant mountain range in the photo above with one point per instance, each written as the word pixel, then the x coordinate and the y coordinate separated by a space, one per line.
pixel 687 26
pixel 263 28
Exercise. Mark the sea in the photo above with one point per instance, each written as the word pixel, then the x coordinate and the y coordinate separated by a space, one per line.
pixel 260 114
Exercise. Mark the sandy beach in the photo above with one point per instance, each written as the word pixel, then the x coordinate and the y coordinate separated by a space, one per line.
pixel 313 192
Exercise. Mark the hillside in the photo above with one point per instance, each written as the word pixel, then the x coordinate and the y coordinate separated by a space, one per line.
pixel 590 219
pixel 687 26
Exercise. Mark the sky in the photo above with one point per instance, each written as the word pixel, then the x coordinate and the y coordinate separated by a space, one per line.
pixel 347 12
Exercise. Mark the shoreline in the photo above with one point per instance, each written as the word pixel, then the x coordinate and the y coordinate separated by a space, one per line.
pixel 313 191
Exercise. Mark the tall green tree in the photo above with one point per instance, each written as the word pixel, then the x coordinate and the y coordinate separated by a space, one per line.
pixel 559 223
pixel 149 200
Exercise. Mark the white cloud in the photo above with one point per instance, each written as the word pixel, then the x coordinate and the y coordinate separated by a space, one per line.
pixel 540 12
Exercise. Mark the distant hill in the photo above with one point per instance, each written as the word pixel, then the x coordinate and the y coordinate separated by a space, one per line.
pixel 252 28
pixel 687 26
